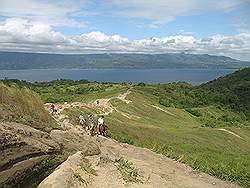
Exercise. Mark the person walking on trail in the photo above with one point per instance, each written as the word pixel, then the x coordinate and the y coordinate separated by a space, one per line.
pixel 101 127
pixel 90 124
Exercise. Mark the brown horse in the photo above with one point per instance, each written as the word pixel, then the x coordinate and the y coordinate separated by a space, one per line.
pixel 103 130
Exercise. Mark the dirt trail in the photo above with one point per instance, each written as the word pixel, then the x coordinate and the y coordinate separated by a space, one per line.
pixel 104 105
pixel 155 170
pixel 230 132
pixel 123 97
pixel 166 111
pixel 101 169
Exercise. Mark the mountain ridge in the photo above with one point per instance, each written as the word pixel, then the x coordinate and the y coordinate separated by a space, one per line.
pixel 23 60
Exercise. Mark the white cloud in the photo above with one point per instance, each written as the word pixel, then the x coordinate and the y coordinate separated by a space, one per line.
pixel 157 12
pixel 51 12
pixel 161 12
pixel 21 35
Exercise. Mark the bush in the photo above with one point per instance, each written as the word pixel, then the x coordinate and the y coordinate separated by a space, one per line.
pixel 194 112
pixel 123 138
pixel 141 84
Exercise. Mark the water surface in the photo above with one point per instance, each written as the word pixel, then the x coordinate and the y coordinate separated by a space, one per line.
pixel 193 76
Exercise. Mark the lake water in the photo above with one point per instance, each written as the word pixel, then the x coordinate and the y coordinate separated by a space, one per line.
pixel 193 76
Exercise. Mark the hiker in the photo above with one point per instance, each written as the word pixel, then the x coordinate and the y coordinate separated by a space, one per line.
pixel 97 102
pixel 82 121
pixel 101 127
pixel 90 124
pixel 53 109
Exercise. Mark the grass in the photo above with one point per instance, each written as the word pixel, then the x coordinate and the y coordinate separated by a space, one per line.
pixel 129 173
pixel 87 166
pixel 81 92
pixel 79 178
pixel 217 116
pixel 24 106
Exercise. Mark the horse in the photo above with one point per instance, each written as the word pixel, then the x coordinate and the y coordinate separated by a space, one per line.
pixel 103 130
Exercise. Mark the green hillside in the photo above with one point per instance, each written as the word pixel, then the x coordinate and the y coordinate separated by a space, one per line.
pixel 24 106
pixel 231 92
pixel 234 89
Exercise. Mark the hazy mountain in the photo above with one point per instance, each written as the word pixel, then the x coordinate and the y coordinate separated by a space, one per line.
pixel 19 60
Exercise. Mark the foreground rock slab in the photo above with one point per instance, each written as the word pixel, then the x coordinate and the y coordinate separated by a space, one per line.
pixel 155 170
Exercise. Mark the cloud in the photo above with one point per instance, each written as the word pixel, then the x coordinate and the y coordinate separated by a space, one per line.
pixel 21 35
pixel 51 12
pixel 160 12
pixel 68 13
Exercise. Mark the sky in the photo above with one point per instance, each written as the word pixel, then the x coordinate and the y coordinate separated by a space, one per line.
pixel 216 27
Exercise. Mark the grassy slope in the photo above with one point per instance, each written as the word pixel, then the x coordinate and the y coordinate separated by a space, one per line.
pixel 215 152
pixel 23 106
pixel 180 136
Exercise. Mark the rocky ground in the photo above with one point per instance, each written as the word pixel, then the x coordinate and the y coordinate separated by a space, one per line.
pixel 24 151
pixel 123 165
pixel 29 155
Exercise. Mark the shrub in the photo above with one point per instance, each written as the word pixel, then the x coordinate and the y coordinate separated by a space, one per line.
pixel 194 112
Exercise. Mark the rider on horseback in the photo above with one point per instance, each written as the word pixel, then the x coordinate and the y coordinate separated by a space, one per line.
pixel 82 121
pixel 101 127
pixel 90 124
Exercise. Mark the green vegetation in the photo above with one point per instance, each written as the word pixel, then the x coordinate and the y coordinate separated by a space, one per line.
pixel 232 91
pixel 79 178
pixel 87 166
pixel 54 159
pixel 61 91
pixel 24 106
pixel 129 173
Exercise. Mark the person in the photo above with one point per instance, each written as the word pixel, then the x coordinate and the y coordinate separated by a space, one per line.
pixel 101 126
pixel 53 109
pixel 97 102
pixel 82 120
pixel 90 124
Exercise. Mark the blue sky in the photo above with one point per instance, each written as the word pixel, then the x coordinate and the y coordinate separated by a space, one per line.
pixel 202 24
pixel 143 26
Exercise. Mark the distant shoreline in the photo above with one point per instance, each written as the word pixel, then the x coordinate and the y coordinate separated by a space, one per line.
pixel 124 69
pixel 25 61
pixel 149 76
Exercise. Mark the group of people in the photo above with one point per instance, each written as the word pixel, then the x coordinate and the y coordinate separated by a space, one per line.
pixel 89 126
